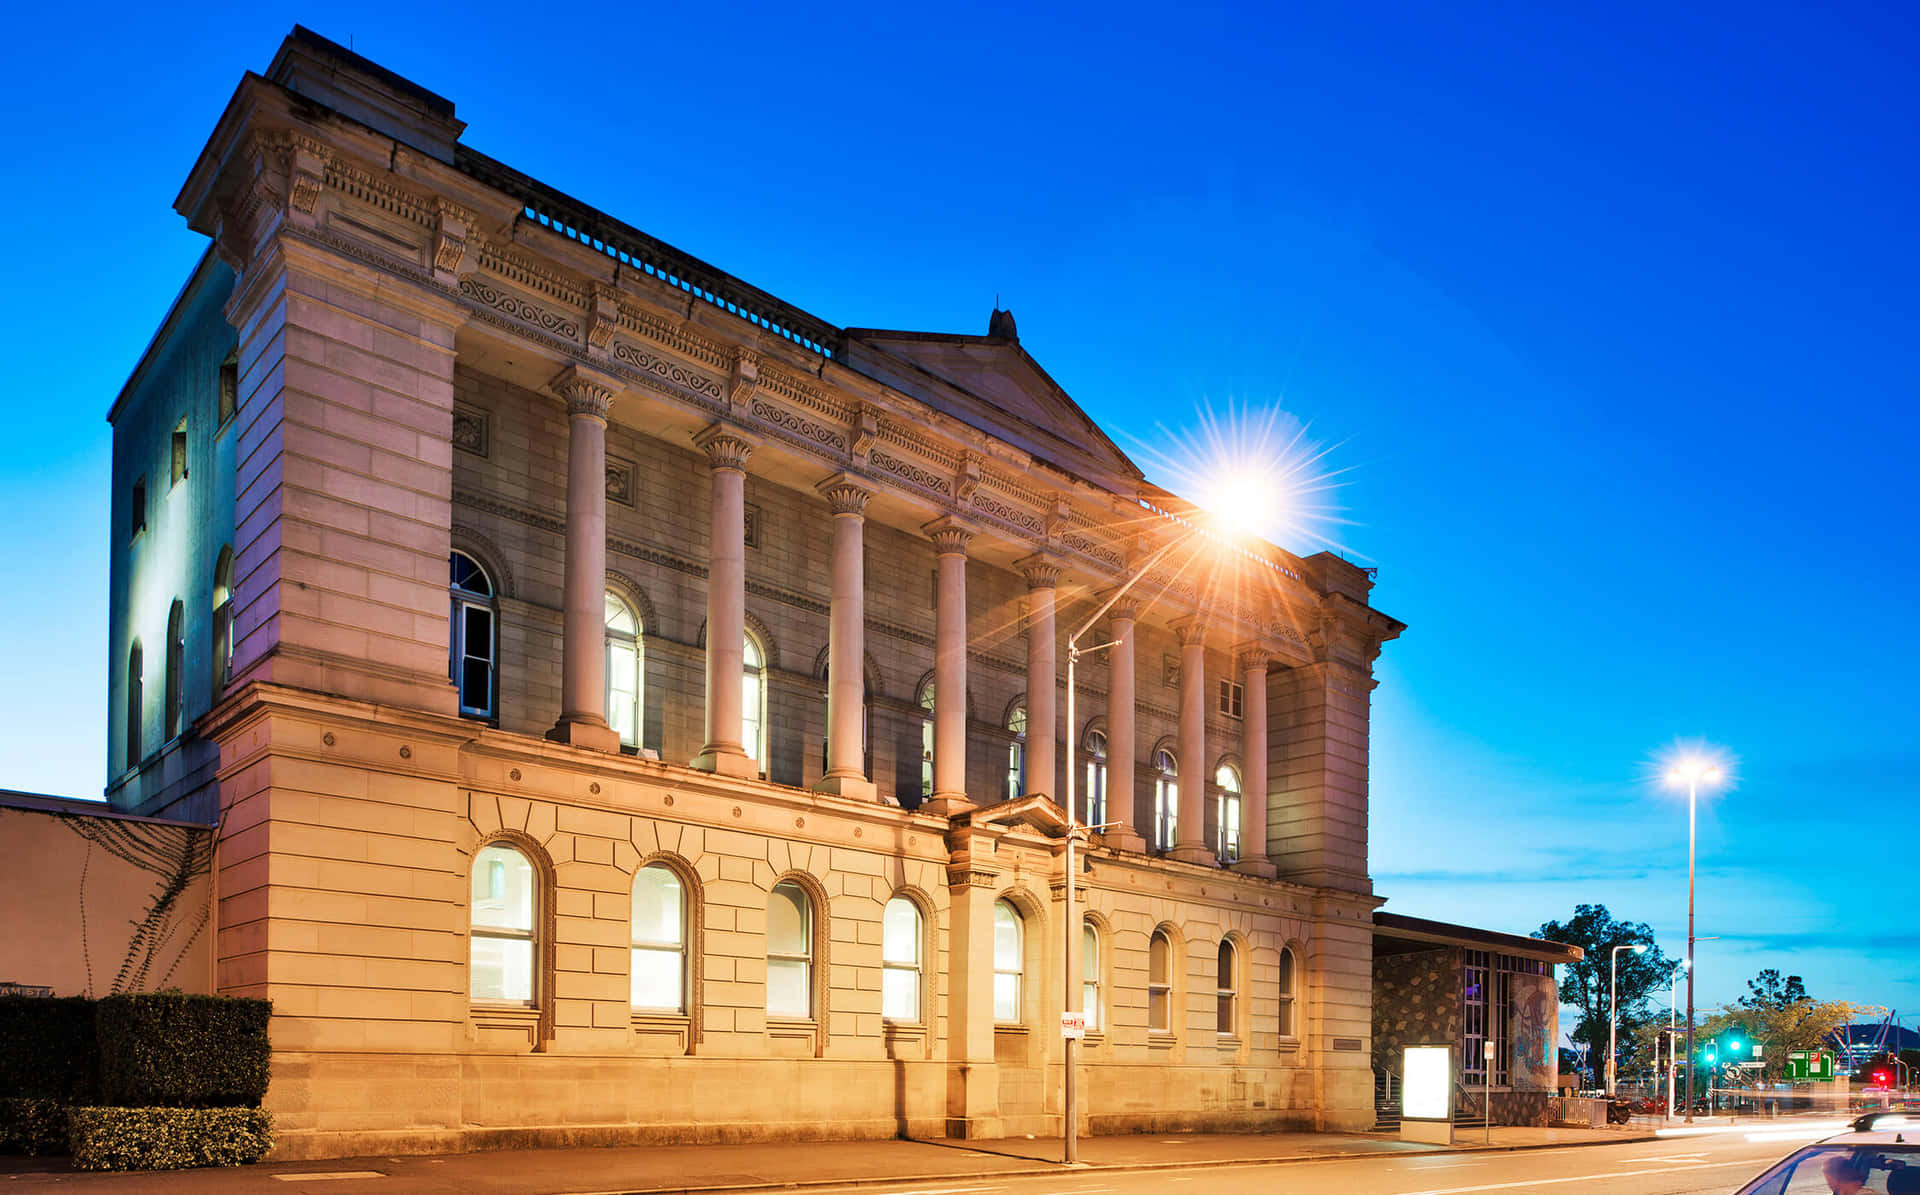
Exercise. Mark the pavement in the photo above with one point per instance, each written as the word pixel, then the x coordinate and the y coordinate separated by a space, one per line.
pixel 780 1166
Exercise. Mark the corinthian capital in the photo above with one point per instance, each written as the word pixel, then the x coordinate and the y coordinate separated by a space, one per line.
pixel 1252 654
pixel 587 393
pixel 725 447
pixel 949 535
pixel 1042 572
pixel 845 494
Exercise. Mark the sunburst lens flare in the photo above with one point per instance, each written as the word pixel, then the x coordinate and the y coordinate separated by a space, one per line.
pixel 1696 763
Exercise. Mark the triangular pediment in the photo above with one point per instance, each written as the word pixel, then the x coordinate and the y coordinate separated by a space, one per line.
pixel 990 383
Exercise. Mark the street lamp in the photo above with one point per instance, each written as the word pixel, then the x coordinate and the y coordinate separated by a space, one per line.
pixel 1613 1010
pixel 1692 772
pixel 1673 1023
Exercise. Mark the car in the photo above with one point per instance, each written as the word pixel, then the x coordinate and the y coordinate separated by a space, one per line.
pixel 1878 1155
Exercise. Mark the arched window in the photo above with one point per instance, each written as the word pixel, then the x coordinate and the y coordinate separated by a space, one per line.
pixel 623 670
pixel 1017 752
pixel 1166 799
pixel 753 702
pixel 925 701
pixel 1288 991
pixel 789 952
pixel 1160 983
pixel 1228 778
pixel 176 657
pixel 1009 953
pixel 502 944
pixel 135 660
pixel 1096 778
pixel 1227 989
pixel 223 620
pixel 900 949
pixel 1090 976
pixel 659 940
pixel 472 652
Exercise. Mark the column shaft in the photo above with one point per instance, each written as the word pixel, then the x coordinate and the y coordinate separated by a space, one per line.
pixel 1043 718
pixel 583 663
pixel 950 668
pixel 846 646
pixel 1190 838
pixel 726 605
pixel 1122 751
pixel 1253 753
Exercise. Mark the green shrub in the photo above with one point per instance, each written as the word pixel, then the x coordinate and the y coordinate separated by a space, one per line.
pixel 33 1126
pixel 47 1048
pixel 172 1050
pixel 168 1138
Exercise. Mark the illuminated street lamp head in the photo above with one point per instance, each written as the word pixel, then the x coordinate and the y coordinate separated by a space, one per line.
pixel 1640 948
pixel 1694 770
pixel 1695 764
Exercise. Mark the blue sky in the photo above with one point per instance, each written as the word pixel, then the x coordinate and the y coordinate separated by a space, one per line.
pixel 1609 311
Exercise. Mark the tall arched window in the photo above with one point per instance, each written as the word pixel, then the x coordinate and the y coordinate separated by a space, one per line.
pixel 135 666
pixel 753 702
pixel 1017 752
pixel 1227 989
pixel 1288 991
pixel 925 701
pixel 789 952
pixel 473 648
pixel 502 944
pixel 1228 778
pixel 659 940
pixel 223 620
pixel 1090 976
pixel 1009 954
pixel 176 659
pixel 623 670
pixel 1160 983
pixel 1096 799
pixel 1166 798
pixel 900 950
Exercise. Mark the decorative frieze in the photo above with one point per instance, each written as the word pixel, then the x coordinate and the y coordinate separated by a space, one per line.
pixel 628 353
pixel 482 290
pixel 1023 519
pixel 909 471
pixel 799 424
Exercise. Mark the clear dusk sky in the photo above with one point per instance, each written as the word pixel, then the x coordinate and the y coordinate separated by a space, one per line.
pixel 1606 310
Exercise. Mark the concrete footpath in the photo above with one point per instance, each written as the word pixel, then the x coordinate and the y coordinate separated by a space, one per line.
pixel 671 1169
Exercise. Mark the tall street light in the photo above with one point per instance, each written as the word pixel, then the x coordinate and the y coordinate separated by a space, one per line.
pixel 1613 1011
pixel 1673 1022
pixel 1692 772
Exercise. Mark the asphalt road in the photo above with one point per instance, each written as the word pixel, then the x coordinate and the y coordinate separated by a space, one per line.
pixel 1705 1165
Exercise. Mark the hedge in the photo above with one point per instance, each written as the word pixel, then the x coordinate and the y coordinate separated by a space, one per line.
pixel 168 1138
pixel 168 1049
pixel 33 1126
pixel 47 1047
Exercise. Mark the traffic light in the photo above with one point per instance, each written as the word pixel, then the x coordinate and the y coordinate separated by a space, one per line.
pixel 1882 1079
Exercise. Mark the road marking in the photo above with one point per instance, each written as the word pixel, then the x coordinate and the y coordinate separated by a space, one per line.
pixel 327 1176
pixel 1579 1178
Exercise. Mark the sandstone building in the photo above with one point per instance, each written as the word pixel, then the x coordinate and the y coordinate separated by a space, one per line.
pixel 633 708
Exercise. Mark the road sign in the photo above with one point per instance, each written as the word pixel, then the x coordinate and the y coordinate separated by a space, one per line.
pixel 1810 1065
pixel 1073 1025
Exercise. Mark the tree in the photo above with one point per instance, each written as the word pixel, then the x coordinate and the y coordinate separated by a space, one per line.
pixel 1768 990
pixel 1782 1018
pixel 1583 985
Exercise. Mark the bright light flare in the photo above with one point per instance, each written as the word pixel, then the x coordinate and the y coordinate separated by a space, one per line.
pixel 1695 763
pixel 1255 471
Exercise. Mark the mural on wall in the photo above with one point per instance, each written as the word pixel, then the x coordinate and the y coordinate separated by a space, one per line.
pixel 1532 1023
pixel 1416 1001
pixel 161 938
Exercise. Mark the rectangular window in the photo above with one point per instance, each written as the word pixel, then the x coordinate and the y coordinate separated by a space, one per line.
pixel 137 509
pixel 1233 697
pixel 229 390
pixel 180 453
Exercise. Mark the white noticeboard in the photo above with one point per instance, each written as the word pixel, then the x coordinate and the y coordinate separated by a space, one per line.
pixel 1426 1094
pixel 1073 1025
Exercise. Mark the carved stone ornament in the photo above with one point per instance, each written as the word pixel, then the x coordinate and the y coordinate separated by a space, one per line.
pixel 1191 630
pixel 1252 656
pixel 949 538
pixel 725 448
pixel 621 475
pixel 1041 573
pixel 745 378
pixel 845 495
pixel 967 480
pixel 866 429
pixel 1058 518
pixel 603 318
pixel 453 224
pixel 471 431
pixel 586 394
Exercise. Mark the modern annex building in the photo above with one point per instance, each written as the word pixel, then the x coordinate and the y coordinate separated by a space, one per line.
pixel 634 708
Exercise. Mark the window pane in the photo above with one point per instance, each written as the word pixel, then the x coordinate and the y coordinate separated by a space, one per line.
pixel 1157 1001
pixel 502 969
pixel 900 994
pixel 658 902
pixel 1006 998
pixel 503 889
pixel 751 652
pixel 1006 937
pixel 750 714
pixel 787 929
pixel 1226 965
pixel 1089 954
pixel 619 618
pixel 1224 1014
pixel 1090 1004
pixel 657 982
pixel 900 933
pixel 1227 778
pixel 1157 958
pixel 475 683
pixel 787 994
pixel 478 623
pixel 1017 720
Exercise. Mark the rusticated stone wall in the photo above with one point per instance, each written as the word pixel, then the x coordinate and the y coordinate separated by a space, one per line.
pixel 1416 1001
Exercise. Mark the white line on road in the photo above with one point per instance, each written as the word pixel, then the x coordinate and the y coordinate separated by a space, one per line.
pixel 1578 1178
pixel 327 1176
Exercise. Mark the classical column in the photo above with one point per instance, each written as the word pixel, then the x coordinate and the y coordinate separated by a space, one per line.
pixel 1042 678
pixel 846 645
pixel 727 452
pixel 950 539
pixel 1253 756
pixel 583 661
pixel 1122 751
pixel 1190 836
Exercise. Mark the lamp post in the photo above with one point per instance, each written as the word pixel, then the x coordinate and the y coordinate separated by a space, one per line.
pixel 1693 772
pixel 1070 1145
pixel 1673 1024
pixel 1613 1010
